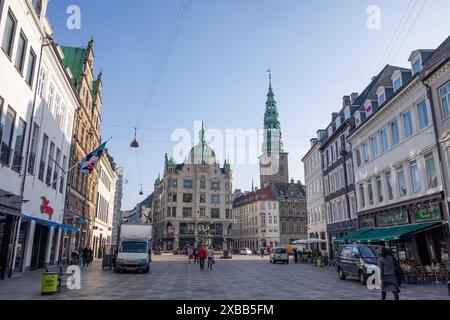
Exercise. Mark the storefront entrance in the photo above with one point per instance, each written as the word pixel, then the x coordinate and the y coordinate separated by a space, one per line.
pixel 6 223
pixel 20 249
pixel 41 234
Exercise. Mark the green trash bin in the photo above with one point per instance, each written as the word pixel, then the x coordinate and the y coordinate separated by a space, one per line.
pixel 49 283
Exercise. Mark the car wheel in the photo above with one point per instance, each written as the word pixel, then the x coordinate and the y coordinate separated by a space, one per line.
pixel 362 278
pixel 116 270
pixel 341 274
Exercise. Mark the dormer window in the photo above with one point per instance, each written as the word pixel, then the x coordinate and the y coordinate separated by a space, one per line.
pixel 338 122
pixel 397 83
pixel 358 119
pixel 417 66
pixel 347 113
pixel 381 97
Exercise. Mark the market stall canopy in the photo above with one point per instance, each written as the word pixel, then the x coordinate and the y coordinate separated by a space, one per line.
pixel 309 241
pixel 385 234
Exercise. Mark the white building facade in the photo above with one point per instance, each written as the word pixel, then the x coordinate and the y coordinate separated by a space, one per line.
pixel 37 104
pixel 397 175
pixel 256 221
pixel 315 199
pixel 106 193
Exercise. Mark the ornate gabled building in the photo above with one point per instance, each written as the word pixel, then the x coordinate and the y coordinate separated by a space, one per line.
pixel 81 199
pixel 192 203
pixel 274 161
pixel 292 210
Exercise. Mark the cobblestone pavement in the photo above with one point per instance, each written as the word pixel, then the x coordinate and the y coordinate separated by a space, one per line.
pixel 246 278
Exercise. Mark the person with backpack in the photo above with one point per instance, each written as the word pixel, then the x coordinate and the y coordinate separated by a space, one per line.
pixel 391 274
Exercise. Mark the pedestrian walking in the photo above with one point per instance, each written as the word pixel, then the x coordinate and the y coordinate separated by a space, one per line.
pixel 202 256
pixel 190 253
pixel 195 255
pixel 85 257
pixel 90 256
pixel 80 256
pixel 390 274
pixel 261 251
pixel 295 255
pixel 210 258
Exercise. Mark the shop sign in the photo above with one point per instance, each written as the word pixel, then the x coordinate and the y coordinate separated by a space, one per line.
pixel 426 213
pixel 393 218
pixel 46 209
pixel 367 223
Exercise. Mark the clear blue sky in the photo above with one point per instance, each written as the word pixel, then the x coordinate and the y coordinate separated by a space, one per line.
pixel 318 50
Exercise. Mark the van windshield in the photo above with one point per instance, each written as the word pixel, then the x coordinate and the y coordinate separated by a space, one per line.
pixel 133 247
pixel 280 250
pixel 367 252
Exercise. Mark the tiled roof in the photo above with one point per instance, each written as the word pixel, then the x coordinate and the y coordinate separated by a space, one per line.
pixel 261 194
pixel 441 54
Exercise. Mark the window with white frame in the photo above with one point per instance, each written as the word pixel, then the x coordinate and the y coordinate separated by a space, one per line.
pixel 430 169
pixel 358 157
pixel 21 52
pixel 370 192
pixel 350 172
pixel 362 197
pixel 389 189
pixel 407 124
pixel 374 144
pixel 395 134
pixel 401 180
pixel 380 195
pixel 9 34
pixel 397 83
pixel 416 66
pixel 381 98
pixel 415 176
pixel 30 68
pixel 366 152
pixel 384 140
pixel 445 100
pixel 422 114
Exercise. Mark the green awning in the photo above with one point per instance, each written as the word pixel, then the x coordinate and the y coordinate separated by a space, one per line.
pixel 351 236
pixel 385 234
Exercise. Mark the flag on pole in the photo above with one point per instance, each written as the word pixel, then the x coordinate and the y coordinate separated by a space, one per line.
pixel 88 164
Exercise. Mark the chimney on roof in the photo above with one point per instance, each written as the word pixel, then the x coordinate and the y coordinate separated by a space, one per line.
pixel 334 115
pixel 353 97
pixel 346 101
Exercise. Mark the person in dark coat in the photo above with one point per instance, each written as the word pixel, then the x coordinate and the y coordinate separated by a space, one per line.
pixel 85 257
pixel 390 271
pixel 195 255
pixel 295 255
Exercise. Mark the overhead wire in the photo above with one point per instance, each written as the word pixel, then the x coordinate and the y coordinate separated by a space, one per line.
pixel 410 29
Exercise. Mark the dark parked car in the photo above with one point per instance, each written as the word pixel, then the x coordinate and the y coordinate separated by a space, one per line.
pixel 357 260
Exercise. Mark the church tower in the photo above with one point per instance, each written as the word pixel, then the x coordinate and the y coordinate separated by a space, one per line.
pixel 274 161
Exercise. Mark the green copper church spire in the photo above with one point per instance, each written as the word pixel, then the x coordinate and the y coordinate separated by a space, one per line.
pixel 272 127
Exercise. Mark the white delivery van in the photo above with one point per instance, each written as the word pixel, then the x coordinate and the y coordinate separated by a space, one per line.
pixel 134 252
